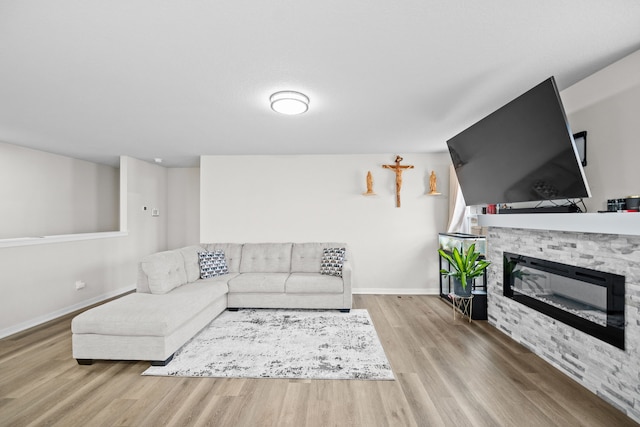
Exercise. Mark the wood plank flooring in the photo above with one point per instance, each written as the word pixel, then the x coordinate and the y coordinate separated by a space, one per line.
pixel 447 374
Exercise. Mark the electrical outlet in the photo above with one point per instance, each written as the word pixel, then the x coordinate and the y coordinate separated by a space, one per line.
pixel 80 285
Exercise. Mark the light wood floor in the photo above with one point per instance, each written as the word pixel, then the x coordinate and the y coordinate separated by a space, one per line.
pixel 447 374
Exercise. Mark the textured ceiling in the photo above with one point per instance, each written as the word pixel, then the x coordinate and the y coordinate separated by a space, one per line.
pixel 177 79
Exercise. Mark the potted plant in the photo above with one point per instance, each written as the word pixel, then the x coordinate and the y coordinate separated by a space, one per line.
pixel 464 267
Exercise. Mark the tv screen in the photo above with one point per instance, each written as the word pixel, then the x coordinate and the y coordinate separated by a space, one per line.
pixel 522 152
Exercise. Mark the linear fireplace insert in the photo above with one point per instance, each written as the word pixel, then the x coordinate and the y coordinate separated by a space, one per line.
pixel 589 300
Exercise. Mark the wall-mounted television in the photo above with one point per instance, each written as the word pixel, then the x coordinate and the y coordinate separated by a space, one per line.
pixel 522 152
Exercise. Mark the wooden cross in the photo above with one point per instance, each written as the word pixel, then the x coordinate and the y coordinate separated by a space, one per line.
pixel 398 168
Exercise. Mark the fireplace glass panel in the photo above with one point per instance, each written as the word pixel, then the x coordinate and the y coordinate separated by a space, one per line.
pixel 574 296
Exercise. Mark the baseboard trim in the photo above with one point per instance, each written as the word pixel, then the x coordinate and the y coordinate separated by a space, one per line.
pixel 58 313
pixel 393 291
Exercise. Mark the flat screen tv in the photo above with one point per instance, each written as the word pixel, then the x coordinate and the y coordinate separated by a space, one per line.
pixel 522 152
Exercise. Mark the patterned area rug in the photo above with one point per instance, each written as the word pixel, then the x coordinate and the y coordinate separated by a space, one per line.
pixel 312 344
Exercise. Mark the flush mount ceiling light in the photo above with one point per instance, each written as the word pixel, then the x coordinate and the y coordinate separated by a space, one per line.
pixel 289 102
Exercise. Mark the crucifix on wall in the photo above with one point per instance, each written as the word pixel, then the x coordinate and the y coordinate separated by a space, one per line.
pixel 398 168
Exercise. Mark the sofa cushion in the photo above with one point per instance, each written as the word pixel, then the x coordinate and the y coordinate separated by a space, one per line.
pixel 232 251
pixel 306 257
pixel 266 258
pixel 332 260
pixel 212 264
pixel 191 261
pixel 302 283
pixel 258 282
pixel 165 271
pixel 141 314
pixel 224 279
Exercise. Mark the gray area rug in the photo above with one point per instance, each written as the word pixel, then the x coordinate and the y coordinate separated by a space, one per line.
pixel 265 343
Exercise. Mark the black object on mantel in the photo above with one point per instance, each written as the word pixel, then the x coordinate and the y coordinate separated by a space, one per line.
pixel 543 209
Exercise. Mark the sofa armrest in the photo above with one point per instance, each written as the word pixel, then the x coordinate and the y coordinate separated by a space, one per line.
pixel 347 271
pixel 142 283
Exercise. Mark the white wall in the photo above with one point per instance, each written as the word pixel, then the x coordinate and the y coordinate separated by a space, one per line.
pixel 47 194
pixel 146 188
pixel 38 282
pixel 607 105
pixel 184 207
pixel 319 198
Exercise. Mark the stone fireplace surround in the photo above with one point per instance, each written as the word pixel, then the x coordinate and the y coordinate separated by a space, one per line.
pixel 607 371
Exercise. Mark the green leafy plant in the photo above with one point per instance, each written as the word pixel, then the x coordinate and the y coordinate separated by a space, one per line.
pixel 464 265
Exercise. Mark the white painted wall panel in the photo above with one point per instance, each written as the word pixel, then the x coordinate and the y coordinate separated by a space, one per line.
pixel 38 281
pixel 319 198
pixel 43 194
pixel 184 207
pixel 607 105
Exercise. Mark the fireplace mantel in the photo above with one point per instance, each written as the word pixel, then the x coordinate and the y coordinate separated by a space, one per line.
pixel 603 223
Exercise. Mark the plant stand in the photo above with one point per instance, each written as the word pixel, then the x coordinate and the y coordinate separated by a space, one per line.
pixel 462 305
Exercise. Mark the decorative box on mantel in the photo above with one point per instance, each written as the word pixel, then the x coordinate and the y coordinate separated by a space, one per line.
pixel 608 243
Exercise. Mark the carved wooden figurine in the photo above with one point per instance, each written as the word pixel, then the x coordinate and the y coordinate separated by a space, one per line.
pixel 370 191
pixel 398 169
pixel 433 185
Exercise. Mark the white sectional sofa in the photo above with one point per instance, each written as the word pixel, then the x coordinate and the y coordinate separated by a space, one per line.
pixel 172 303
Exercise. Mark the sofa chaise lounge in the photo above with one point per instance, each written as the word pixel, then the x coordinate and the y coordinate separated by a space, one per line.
pixel 172 303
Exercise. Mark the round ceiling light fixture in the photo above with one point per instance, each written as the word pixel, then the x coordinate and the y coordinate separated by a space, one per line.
pixel 289 102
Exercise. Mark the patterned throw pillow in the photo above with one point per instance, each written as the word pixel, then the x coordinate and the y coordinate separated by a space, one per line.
pixel 212 264
pixel 332 260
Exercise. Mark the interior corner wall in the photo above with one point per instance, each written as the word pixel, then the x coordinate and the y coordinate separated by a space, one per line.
pixel 146 192
pixel 183 212
pixel 38 281
pixel 607 106
pixel 318 198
